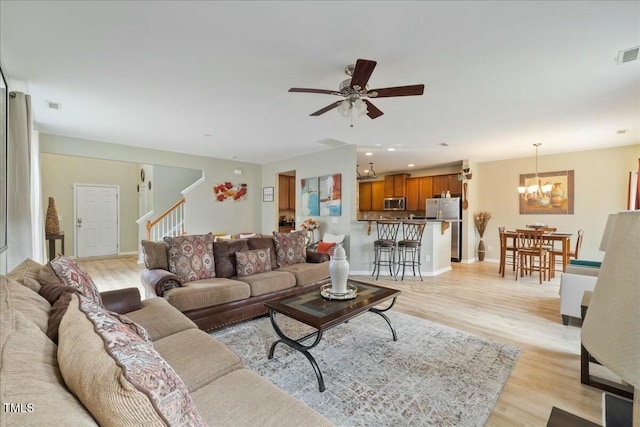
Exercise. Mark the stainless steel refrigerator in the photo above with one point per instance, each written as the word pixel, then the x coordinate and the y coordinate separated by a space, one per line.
pixel 450 210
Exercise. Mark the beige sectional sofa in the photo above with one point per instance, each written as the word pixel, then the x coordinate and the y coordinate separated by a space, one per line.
pixel 224 286
pixel 79 381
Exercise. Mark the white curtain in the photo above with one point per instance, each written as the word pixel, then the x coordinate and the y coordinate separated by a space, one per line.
pixel 20 228
pixel 37 208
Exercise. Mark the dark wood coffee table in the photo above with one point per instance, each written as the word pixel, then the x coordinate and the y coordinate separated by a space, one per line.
pixel 320 313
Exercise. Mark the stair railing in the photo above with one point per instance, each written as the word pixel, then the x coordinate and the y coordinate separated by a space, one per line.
pixel 170 223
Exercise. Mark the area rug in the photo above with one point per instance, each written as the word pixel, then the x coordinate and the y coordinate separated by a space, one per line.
pixel 432 376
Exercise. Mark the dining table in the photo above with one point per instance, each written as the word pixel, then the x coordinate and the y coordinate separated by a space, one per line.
pixel 549 239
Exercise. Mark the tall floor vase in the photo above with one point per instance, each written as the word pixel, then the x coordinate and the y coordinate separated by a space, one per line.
pixel 52 226
pixel 481 250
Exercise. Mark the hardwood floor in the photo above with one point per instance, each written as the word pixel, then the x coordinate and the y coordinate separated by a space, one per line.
pixel 474 298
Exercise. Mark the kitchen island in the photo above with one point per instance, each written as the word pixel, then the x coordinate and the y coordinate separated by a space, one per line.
pixel 436 247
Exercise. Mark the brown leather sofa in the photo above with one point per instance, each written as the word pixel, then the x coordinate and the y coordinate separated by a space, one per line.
pixel 228 297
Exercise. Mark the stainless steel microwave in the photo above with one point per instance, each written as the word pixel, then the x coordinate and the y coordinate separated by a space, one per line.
pixel 394 203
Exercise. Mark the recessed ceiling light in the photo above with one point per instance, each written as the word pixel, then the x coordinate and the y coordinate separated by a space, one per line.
pixel 368 154
pixel 621 131
pixel 207 134
pixel 391 149
pixel 410 165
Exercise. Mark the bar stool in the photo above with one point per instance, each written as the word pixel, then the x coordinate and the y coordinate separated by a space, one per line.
pixel 384 248
pixel 410 245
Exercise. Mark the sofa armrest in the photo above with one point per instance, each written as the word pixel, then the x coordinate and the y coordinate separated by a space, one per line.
pixel 154 279
pixel 316 257
pixel 122 301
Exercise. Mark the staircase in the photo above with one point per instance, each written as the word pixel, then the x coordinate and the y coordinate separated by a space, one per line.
pixel 170 223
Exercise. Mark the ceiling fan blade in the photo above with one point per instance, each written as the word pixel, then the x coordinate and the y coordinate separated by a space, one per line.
pixel 326 91
pixel 397 91
pixel 372 110
pixel 325 109
pixel 362 72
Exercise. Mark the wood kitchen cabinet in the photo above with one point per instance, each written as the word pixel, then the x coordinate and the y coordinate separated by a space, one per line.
pixel 371 196
pixel 418 189
pixel 455 186
pixel 286 192
pixel 377 191
pixel 440 184
pixel 292 193
pixel 395 185
pixel 447 183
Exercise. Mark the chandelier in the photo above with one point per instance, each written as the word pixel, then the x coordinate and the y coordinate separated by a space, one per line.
pixel 535 191
pixel 369 174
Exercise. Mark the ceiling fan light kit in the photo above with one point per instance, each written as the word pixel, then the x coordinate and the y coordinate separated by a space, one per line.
pixel 355 89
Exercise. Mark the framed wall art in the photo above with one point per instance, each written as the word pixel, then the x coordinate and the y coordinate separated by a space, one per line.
pixel 267 194
pixel 558 199
pixel 309 196
pixel 330 195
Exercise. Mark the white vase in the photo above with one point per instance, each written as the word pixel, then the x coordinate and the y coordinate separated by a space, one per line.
pixel 339 271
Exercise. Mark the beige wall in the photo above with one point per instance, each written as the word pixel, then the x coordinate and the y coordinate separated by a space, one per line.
pixel 600 188
pixel 60 173
pixel 202 212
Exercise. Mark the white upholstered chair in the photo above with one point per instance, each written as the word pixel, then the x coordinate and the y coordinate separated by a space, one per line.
pixel 573 283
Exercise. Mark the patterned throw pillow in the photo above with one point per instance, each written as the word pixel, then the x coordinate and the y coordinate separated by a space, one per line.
pixel 191 257
pixel 61 299
pixel 253 262
pixel 72 275
pixel 119 377
pixel 290 248
pixel 265 242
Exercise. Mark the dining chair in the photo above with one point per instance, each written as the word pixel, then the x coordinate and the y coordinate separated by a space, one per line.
pixel 384 247
pixel 530 245
pixel 508 253
pixel 572 254
pixel 409 247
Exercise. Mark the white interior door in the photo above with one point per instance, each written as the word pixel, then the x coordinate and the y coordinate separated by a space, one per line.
pixel 97 228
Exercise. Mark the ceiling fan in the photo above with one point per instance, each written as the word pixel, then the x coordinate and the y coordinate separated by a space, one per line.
pixel 355 90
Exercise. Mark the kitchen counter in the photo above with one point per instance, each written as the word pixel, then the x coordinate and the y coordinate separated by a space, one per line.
pixel 444 222
pixel 435 253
